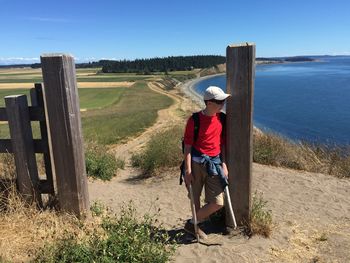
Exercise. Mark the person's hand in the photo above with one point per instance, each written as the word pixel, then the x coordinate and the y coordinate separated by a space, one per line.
pixel 225 170
pixel 188 178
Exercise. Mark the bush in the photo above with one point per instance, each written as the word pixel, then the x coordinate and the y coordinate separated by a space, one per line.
pixel 124 239
pixel 260 217
pixel 100 164
pixel 163 150
pixel 97 208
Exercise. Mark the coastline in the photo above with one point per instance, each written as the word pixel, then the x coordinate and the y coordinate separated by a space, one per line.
pixel 188 88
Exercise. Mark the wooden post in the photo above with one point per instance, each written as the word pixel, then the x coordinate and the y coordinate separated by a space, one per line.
pixel 37 99
pixel 240 74
pixel 62 104
pixel 23 147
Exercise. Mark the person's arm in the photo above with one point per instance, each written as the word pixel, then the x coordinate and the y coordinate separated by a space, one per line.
pixel 188 167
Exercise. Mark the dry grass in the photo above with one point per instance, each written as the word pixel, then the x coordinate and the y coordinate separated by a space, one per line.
pixel 23 228
pixel 85 85
pixel 273 150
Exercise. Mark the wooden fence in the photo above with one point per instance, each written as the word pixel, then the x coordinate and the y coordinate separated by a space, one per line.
pixel 61 140
pixel 19 116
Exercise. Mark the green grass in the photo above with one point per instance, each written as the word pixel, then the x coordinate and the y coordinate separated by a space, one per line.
pixel 122 112
pixel 7 92
pixel 162 151
pixel 99 97
pixel 125 238
pixel 90 98
pixel 136 110
pixel 21 80
pixel 100 164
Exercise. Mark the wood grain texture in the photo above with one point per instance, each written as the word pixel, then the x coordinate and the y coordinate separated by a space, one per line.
pixel 240 70
pixel 62 104
pixel 23 147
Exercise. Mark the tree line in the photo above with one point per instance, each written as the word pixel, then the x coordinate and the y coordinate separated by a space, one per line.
pixel 161 64
pixel 146 66
pixel 166 64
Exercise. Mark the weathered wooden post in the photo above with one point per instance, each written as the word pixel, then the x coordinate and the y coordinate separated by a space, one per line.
pixel 37 99
pixel 63 110
pixel 240 74
pixel 23 147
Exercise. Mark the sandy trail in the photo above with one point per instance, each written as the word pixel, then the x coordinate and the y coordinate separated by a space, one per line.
pixel 311 212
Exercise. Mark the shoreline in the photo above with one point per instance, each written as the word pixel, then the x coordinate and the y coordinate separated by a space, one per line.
pixel 188 88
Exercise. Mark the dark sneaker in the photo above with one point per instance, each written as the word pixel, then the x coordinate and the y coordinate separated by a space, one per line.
pixel 189 228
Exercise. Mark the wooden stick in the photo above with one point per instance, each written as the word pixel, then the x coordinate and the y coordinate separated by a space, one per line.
pixel 194 215
pixel 227 193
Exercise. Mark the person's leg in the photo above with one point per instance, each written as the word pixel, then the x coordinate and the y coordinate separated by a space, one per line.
pixel 207 210
pixel 197 186
pixel 197 183
pixel 214 197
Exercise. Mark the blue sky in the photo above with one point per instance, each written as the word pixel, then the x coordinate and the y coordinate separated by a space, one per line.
pixel 92 30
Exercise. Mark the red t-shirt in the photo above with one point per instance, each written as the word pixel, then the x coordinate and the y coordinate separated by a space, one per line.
pixel 209 135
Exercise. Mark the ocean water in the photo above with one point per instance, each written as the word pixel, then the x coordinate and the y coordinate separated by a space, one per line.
pixel 307 101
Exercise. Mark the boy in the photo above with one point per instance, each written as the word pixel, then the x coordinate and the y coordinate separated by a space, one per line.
pixel 205 157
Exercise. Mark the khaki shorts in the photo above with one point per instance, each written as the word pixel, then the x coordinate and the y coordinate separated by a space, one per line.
pixel 212 185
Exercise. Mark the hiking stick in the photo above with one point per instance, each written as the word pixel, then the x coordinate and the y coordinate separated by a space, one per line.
pixel 228 197
pixel 194 215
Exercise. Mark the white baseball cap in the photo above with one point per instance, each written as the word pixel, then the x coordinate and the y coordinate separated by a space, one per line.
pixel 215 93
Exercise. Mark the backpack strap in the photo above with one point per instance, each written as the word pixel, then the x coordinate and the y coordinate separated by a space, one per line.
pixel 223 119
pixel 195 117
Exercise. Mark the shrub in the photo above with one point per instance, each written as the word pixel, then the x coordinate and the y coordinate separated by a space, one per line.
pixel 124 239
pixel 260 217
pixel 97 208
pixel 163 150
pixel 101 164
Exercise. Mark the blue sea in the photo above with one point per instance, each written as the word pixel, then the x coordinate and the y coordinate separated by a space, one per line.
pixel 307 101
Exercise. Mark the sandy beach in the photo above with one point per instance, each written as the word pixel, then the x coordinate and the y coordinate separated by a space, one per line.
pixel 311 212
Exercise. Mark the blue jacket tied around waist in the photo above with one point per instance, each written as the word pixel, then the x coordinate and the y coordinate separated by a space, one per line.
pixel 212 164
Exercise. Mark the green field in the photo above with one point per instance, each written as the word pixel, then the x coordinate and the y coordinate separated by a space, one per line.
pixel 109 115
pixel 83 75
pixel 89 98
pixel 112 114
pixel 136 110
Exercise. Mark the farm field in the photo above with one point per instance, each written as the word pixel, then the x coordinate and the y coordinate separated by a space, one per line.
pixel 29 76
pixel 113 106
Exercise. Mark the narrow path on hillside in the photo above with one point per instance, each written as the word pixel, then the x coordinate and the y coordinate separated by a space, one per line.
pixel 166 117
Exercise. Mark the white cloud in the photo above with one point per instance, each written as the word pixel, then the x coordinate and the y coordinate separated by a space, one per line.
pixel 17 60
